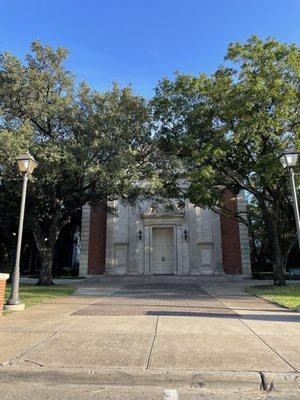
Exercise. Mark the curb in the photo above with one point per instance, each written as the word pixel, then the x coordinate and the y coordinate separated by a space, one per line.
pixel 165 378
pixel 281 379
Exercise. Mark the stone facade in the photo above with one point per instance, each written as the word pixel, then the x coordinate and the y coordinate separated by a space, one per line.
pixel 146 241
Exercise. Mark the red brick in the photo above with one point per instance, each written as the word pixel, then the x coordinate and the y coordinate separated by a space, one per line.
pixel 2 294
pixel 231 246
pixel 97 241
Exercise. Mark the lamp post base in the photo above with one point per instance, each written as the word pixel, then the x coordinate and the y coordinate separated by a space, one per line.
pixel 14 307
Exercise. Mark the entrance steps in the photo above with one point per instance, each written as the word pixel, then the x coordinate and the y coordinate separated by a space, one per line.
pixel 167 279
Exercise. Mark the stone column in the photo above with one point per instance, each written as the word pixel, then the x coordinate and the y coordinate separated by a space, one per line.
pixel 140 250
pixel 186 242
pixel 178 241
pixel 244 237
pixel 193 239
pixel 3 279
pixel 84 240
pixel 133 245
pixel 148 250
pixel 217 244
pixel 110 224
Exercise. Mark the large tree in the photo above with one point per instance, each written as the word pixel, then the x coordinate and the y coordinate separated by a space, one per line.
pixel 9 202
pixel 90 147
pixel 230 127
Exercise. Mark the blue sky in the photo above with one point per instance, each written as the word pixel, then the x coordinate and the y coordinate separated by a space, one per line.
pixel 141 41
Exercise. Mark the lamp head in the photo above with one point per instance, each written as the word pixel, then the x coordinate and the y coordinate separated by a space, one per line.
pixel 289 158
pixel 26 163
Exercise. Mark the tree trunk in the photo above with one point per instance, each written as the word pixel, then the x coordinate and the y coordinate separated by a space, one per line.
pixel 254 252
pixel 46 259
pixel 278 264
pixel 5 265
pixel 287 253
pixel 45 248
pixel 271 221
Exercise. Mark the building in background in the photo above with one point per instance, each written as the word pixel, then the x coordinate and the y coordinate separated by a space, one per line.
pixel 145 240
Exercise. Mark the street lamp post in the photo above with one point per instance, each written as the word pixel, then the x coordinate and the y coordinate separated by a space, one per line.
pixel 26 164
pixel 289 159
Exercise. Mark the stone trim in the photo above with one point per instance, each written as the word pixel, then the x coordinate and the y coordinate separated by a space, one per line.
pixel 217 243
pixel 84 239
pixel 244 236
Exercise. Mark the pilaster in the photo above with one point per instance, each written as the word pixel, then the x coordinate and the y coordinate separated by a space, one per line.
pixel 84 240
pixel 147 252
pixel 179 249
pixel 244 236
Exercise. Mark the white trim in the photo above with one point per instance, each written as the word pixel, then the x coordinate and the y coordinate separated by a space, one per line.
pixel 244 236
pixel 85 239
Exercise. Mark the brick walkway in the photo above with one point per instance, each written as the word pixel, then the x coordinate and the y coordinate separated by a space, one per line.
pixel 161 299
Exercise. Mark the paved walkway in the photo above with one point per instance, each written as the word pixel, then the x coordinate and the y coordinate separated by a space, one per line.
pixel 151 329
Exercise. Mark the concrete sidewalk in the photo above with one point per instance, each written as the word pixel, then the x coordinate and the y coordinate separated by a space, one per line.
pixel 182 331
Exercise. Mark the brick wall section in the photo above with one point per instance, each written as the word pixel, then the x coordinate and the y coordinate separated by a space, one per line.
pixel 2 293
pixel 97 241
pixel 231 246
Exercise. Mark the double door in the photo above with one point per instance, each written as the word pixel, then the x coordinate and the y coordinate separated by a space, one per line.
pixel 163 251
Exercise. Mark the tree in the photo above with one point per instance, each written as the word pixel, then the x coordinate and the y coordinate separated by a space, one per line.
pixel 90 147
pixel 10 147
pixel 229 128
pixel 259 243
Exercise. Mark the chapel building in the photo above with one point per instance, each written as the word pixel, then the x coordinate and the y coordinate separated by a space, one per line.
pixel 143 240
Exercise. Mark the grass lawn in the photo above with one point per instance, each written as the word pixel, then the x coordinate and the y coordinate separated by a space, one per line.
pixel 286 296
pixel 32 294
pixel 57 277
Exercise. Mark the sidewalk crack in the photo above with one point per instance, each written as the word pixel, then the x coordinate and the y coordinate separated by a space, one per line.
pixel 20 355
pixel 269 346
pixel 34 362
pixel 152 344
pixel 240 318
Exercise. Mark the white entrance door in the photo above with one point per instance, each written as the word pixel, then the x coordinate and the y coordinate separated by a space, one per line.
pixel 163 255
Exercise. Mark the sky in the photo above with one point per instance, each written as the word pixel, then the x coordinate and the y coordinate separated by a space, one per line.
pixel 139 42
